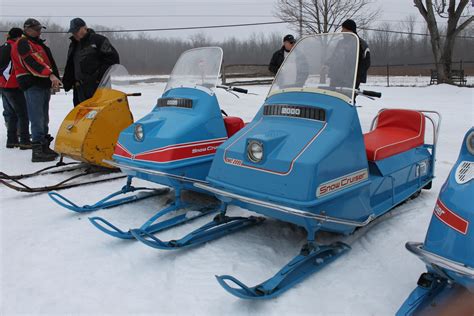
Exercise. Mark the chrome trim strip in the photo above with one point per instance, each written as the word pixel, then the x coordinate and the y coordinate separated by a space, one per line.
pixel 285 209
pixel 152 172
pixel 433 259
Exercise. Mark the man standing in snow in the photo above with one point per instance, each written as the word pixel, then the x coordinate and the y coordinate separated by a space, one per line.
pixel 13 100
pixel 36 73
pixel 364 53
pixel 280 55
pixel 88 58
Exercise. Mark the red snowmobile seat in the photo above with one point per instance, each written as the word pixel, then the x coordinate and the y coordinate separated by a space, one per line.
pixel 397 131
pixel 233 124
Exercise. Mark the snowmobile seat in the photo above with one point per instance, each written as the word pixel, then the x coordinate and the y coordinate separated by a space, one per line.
pixel 397 131
pixel 233 124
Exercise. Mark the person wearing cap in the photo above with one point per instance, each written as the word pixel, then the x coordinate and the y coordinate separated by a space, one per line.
pixel 364 52
pixel 13 100
pixel 88 58
pixel 36 73
pixel 280 55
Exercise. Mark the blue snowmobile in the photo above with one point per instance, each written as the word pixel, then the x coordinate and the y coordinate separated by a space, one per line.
pixel 173 146
pixel 448 250
pixel 304 160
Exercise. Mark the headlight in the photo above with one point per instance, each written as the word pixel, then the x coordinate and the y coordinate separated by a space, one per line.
pixel 139 132
pixel 470 143
pixel 255 151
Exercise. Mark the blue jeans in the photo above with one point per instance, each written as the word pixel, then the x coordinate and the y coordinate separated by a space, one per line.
pixel 37 101
pixel 16 115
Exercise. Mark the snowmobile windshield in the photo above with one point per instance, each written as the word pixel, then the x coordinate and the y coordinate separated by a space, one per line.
pixel 116 77
pixel 199 67
pixel 323 64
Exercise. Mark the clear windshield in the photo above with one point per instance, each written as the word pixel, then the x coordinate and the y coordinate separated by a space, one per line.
pixel 323 63
pixel 116 77
pixel 197 67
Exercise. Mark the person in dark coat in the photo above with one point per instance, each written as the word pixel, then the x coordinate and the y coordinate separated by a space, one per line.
pixel 88 58
pixel 13 100
pixel 364 52
pixel 280 55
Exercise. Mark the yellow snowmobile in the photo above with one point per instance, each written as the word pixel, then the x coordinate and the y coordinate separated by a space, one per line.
pixel 88 135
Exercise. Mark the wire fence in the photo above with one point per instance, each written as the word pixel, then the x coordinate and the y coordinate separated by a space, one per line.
pixel 389 75
pixel 419 74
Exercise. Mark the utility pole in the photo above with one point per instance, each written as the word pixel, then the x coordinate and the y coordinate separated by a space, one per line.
pixel 301 18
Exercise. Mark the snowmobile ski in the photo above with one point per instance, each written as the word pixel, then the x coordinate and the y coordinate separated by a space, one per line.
pixel 220 226
pixel 151 226
pixel 110 201
pixel 312 258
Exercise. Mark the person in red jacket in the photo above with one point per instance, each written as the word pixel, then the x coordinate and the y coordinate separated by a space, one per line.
pixel 13 100
pixel 36 73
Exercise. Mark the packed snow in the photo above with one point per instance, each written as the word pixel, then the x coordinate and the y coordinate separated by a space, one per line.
pixel 55 261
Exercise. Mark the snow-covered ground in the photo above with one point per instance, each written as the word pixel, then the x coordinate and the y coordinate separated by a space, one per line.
pixel 54 261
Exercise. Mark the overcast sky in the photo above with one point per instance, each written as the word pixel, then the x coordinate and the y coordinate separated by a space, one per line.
pixel 167 13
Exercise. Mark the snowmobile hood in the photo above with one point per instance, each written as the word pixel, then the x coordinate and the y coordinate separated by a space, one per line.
pixel 451 231
pixel 185 127
pixel 90 131
pixel 301 135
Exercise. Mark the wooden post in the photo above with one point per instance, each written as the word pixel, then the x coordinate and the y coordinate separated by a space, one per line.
pixel 301 19
pixel 223 76
pixel 388 75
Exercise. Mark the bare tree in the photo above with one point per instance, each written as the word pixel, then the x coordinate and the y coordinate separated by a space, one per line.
pixel 323 16
pixel 443 47
pixel 382 43
pixel 408 25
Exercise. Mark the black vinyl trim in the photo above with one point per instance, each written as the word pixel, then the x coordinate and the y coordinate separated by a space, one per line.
pixel 298 111
pixel 176 102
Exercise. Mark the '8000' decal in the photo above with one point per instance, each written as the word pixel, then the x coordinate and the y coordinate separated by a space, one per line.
pixel 341 183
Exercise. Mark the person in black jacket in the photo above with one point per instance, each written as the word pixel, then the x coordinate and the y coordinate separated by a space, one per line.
pixel 364 53
pixel 88 58
pixel 280 55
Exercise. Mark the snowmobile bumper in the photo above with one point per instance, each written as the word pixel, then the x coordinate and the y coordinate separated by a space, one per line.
pixel 152 172
pixel 284 209
pixel 433 259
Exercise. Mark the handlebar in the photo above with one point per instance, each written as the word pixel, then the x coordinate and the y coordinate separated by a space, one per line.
pixel 136 94
pixel 373 94
pixel 235 89
pixel 240 90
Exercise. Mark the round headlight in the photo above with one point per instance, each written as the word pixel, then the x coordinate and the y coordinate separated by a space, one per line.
pixel 255 151
pixel 139 132
pixel 470 143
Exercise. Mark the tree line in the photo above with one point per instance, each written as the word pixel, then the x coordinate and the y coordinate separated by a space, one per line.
pixel 142 53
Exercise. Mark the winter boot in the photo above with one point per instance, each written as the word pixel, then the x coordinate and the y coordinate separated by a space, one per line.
pixel 12 145
pixel 49 151
pixel 49 138
pixel 12 142
pixel 46 148
pixel 38 155
pixel 25 144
